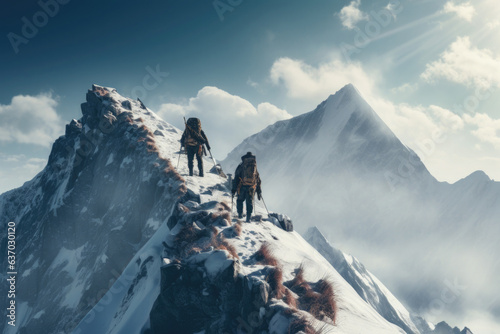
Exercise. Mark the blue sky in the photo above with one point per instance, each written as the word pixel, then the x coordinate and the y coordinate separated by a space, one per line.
pixel 430 69
pixel 430 66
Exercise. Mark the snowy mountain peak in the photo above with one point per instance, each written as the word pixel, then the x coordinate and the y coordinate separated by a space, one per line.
pixel 107 187
pixel 477 177
pixel 349 91
pixel 368 287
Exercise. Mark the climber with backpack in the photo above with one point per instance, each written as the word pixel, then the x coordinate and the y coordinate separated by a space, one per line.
pixel 246 183
pixel 193 140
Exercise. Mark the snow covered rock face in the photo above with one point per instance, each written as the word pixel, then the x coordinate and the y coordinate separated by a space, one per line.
pixel 207 287
pixel 104 192
pixel 444 328
pixel 364 282
pixel 338 160
pixel 352 177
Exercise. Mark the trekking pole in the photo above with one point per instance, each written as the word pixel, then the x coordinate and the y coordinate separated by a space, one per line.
pixel 232 201
pixel 179 160
pixel 262 197
pixel 213 160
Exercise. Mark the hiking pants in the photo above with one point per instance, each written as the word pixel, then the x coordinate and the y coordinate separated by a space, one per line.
pixel 191 152
pixel 246 195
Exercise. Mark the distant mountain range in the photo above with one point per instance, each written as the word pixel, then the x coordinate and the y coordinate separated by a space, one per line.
pixel 341 168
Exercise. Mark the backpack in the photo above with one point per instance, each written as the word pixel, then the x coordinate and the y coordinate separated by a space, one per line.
pixel 193 132
pixel 194 123
pixel 249 174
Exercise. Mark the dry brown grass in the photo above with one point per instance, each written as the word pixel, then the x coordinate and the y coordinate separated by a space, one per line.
pixel 265 256
pixel 328 299
pixel 301 325
pixel 188 234
pixel 221 215
pixel 290 299
pixel 218 241
pixel 320 304
pixel 275 280
pixel 224 206
pixel 299 284
pixel 237 228
pixel 151 147
pixel 170 172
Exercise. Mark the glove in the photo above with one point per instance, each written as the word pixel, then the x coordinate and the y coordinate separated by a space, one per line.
pixel 208 146
pixel 259 196
pixel 233 191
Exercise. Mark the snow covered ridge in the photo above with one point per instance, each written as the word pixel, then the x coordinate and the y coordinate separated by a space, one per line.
pixel 366 285
pixel 107 187
pixel 370 289
pixel 112 239
pixel 340 161
pixel 218 275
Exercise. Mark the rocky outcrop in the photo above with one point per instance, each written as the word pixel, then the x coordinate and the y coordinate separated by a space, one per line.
pixel 204 284
pixel 103 194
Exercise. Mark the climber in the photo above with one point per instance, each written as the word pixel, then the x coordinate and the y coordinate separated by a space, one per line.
pixel 193 140
pixel 246 183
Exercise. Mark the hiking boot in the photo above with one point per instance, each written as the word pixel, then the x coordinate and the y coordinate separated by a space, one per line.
pixel 240 215
pixel 190 172
pixel 200 174
pixel 249 219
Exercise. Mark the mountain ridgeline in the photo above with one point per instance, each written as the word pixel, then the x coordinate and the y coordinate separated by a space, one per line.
pixel 102 195
pixel 354 179
pixel 111 238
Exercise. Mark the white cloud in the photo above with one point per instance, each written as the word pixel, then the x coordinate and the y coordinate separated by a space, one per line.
pixel 429 130
pixel 464 10
pixel 17 169
pixel 393 8
pixel 30 120
pixel 227 119
pixel 493 24
pixel 412 124
pixel 462 63
pixel 488 129
pixel 447 118
pixel 303 81
pixel 352 15
pixel 405 88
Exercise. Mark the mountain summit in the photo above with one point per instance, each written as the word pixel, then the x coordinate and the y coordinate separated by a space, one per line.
pixel 111 238
pixel 355 180
pixel 342 133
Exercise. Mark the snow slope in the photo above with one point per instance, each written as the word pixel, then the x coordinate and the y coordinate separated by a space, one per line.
pixel 364 282
pixel 103 194
pixel 125 307
pixel 92 228
pixel 353 178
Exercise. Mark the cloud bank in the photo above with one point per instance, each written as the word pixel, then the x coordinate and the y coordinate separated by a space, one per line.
pixel 227 119
pixel 30 120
